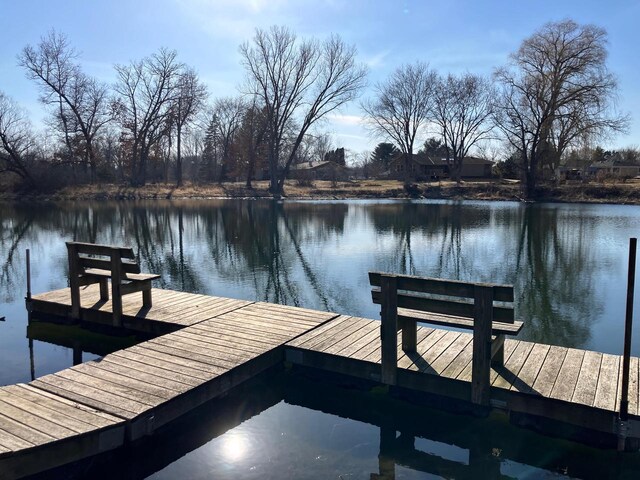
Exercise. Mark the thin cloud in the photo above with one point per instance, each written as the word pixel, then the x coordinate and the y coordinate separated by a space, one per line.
pixel 377 60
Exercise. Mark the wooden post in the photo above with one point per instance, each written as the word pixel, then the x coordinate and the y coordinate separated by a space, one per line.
pixel 74 279
pixel 28 274
pixel 481 363
pixel 104 289
pixel 146 295
pixel 389 328
pixel 409 335
pixel 626 357
pixel 116 293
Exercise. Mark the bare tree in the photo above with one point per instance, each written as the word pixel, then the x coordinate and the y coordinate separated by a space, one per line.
pixel 299 82
pixel 228 112
pixel 556 89
pixel 249 144
pixel 402 106
pixel 190 97
pixel 462 110
pixel 79 103
pixel 147 89
pixel 16 140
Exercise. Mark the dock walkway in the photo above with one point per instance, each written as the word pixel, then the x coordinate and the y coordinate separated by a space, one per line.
pixel 205 345
pixel 101 405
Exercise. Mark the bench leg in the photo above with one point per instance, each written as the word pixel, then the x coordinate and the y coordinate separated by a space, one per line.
pixel 409 335
pixel 116 303
pixel 104 289
pixel 146 296
pixel 497 351
pixel 75 300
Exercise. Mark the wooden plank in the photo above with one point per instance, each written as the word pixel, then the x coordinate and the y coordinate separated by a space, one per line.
pixel 413 360
pixel 181 382
pixel 607 382
pixel 438 286
pixel 633 385
pixel 188 372
pixel 49 413
pixel 224 357
pixel 568 376
pixel 445 359
pixel 214 339
pixel 105 250
pixel 78 376
pixel 137 383
pixel 370 332
pixel 12 442
pixel 436 349
pixel 19 411
pixel 24 432
pixel 529 371
pixel 312 314
pixel 338 336
pixel 185 352
pixel 512 366
pixel 549 371
pixel 483 316
pixel 361 328
pixel 306 337
pixel 89 395
pixel 279 328
pixel 215 328
pixel 459 363
pixel 586 385
pixel 389 329
pixel 283 316
pixel 81 412
pixel 128 266
pixel 509 348
pixel 446 307
pixel 497 328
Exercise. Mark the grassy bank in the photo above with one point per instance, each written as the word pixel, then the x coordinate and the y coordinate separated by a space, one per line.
pixel 624 193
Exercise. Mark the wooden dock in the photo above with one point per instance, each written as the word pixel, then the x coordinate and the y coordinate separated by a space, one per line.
pixel 205 346
pixel 101 405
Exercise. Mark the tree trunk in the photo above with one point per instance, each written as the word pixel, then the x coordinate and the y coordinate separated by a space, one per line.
pixel 178 156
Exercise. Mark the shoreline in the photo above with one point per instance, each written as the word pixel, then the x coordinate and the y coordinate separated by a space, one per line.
pixel 627 193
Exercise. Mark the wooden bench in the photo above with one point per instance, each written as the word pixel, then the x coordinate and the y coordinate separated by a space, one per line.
pixel 406 300
pixel 91 263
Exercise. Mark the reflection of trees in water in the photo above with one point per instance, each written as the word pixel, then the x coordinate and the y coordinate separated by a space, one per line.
pixel 437 230
pixel 13 230
pixel 270 251
pixel 547 256
pixel 556 275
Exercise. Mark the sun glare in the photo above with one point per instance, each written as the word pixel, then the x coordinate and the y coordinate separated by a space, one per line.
pixel 234 448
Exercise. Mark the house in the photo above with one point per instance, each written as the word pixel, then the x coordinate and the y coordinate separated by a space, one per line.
pixel 424 167
pixel 614 168
pixel 318 170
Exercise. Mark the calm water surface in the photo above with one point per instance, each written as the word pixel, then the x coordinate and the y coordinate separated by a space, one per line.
pixel 568 264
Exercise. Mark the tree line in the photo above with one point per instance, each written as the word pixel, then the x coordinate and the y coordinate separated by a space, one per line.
pixel 158 123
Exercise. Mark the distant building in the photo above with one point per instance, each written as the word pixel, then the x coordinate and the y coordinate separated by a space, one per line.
pixel 614 168
pixel 318 170
pixel 424 167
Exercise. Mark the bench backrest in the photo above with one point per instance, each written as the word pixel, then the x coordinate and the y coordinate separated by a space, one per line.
pixel 90 255
pixel 449 297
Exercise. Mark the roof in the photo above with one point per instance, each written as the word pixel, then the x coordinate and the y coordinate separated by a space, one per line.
pixel 314 165
pixel 424 159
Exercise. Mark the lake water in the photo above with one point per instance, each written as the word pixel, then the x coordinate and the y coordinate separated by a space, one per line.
pixel 568 264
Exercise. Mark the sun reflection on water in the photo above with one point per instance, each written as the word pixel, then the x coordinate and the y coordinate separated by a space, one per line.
pixel 235 447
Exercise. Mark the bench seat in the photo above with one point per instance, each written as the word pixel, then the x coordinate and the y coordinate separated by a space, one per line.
pixel 497 328
pixel 134 277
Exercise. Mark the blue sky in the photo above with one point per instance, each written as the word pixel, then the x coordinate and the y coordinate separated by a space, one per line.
pixel 453 36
